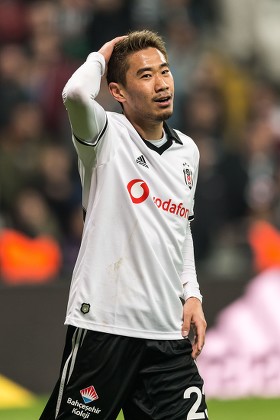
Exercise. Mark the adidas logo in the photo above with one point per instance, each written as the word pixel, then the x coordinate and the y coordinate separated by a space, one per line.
pixel 141 160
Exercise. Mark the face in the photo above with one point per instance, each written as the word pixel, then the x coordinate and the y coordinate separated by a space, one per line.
pixel 149 90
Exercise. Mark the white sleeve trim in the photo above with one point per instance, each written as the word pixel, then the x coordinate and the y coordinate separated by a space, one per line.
pixel 192 293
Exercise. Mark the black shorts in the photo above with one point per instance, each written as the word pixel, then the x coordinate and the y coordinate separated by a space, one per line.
pixel 148 379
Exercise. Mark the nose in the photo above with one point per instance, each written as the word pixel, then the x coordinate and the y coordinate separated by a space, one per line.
pixel 160 83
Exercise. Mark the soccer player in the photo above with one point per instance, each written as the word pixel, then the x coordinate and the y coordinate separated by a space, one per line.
pixel 134 294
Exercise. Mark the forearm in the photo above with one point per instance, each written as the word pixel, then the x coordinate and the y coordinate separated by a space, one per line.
pixel 189 277
pixel 86 116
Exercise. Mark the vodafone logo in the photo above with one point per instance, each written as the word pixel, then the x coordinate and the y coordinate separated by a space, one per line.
pixel 138 190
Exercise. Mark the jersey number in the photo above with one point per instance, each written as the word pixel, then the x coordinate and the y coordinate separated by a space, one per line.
pixel 193 414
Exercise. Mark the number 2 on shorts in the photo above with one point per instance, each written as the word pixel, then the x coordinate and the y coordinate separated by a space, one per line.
pixel 193 414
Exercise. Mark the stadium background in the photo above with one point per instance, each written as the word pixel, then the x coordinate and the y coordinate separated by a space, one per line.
pixel 225 58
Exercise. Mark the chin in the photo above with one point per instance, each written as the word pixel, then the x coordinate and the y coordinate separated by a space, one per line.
pixel 165 115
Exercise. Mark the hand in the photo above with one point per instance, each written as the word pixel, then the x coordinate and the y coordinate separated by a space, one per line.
pixel 107 48
pixel 193 317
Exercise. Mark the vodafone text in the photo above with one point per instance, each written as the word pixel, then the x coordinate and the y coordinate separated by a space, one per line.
pixel 82 410
pixel 170 207
pixel 139 192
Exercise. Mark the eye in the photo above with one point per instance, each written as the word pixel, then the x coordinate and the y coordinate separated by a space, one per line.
pixel 146 76
pixel 166 71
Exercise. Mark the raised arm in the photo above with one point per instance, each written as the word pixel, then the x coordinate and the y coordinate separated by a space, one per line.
pixel 86 116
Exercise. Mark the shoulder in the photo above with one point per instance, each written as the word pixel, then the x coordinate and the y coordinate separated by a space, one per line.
pixel 188 142
pixel 116 118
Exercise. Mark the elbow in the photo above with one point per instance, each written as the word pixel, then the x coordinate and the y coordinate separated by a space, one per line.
pixel 74 94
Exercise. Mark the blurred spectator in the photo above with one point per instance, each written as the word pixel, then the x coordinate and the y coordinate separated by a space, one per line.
pixel 218 73
pixel 73 18
pixel 147 14
pixel 21 141
pixel 25 260
pixel 210 198
pixel 204 112
pixel 264 102
pixel 12 82
pixel 13 25
pixel 29 248
pixel 249 186
pixel 250 31
pixel 42 17
pixel 203 14
pixel 265 243
pixel 58 184
pixel 181 35
pixel 114 15
pixel 33 216
pixel 50 67
pixel 262 163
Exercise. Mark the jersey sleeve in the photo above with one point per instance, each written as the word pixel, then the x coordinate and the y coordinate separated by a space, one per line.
pixel 188 276
pixel 87 118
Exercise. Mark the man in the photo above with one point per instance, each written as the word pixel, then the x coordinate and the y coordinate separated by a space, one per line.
pixel 134 293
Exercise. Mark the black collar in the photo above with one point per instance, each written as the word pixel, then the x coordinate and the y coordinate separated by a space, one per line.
pixel 171 136
pixel 171 133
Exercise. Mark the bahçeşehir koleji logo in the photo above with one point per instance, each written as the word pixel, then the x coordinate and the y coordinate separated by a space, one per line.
pixel 89 394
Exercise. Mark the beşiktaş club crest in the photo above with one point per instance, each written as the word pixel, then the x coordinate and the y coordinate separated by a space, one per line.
pixel 188 175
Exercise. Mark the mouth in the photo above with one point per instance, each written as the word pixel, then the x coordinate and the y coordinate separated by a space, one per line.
pixel 164 100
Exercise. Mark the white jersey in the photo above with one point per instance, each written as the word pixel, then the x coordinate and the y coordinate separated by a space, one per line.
pixel 135 263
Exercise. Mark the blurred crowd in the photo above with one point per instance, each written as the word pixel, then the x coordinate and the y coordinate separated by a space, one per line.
pixel 224 60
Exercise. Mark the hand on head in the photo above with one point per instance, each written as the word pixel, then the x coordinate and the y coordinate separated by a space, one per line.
pixel 107 49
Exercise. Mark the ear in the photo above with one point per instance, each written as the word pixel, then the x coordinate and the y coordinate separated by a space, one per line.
pixel 117 92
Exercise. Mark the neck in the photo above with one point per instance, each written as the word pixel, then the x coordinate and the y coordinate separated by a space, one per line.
pixel 148 130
